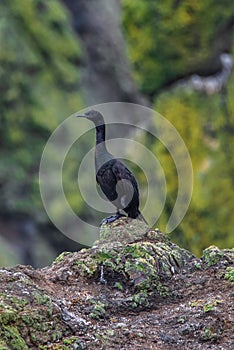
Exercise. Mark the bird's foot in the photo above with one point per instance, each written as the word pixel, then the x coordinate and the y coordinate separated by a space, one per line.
pixel 111 218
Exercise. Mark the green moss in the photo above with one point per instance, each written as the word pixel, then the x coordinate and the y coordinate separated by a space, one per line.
pixel 61 257
pixel 157 236
pixel 198 265
pixel 139 300
pixel 13 338
pixel 136 265
pixel 3 345
pixel 123 230
pixel 206 306
pixel 162 290
pixel 41 299
pixel 27 318
pixel 102 256
pixel 70 340
pixel 57 335
pixel 212 255
pixel 18 314
pixel 87 268
pixel 98 310
pixel 229 275
pixel 208 335
pixel 7 313
pixel 119 286
pixel 210 306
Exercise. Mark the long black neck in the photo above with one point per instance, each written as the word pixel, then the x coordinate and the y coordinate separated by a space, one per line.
pixel 101 153
pixel 100 133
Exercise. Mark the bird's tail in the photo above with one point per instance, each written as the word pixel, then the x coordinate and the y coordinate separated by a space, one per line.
pixel 141 217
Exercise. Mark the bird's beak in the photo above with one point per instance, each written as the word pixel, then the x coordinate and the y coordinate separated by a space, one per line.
pixel 80 115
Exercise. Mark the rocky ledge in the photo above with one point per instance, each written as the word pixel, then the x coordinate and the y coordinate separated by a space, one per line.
pixel 134 289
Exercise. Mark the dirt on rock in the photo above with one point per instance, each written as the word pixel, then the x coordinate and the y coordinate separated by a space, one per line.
pixel 110 298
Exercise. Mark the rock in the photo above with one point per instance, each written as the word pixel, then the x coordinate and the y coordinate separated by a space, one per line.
pixel 133 288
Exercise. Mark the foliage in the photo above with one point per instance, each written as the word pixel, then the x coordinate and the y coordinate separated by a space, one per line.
pixel 169 39
pixel 201 122
pixel 229 274
pixel 39 87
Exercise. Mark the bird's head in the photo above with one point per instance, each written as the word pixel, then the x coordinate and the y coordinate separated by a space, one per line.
pixel 95 116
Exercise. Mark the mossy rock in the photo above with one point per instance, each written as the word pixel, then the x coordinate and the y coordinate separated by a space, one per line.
pixel 128 255
pixel 213 256
pixel 123 230
pixel 86 299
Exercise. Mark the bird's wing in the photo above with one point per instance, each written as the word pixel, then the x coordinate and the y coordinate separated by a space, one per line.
pixel 126 183
pixel 107 181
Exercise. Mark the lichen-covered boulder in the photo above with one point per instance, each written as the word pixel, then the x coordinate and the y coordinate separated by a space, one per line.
pixel 134 288
pixel 128 257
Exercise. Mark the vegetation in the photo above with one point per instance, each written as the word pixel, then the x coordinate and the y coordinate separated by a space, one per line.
pixel 118 294
pixel 168 41
pixel 39 88
pixel 201 122
pixel 40 67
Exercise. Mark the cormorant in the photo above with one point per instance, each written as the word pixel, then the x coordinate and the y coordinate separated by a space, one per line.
pixel 115 179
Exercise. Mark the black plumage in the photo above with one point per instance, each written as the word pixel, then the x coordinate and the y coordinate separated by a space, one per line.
pixel 115 179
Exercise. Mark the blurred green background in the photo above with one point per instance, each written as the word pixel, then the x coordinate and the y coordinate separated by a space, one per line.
pixel 57 57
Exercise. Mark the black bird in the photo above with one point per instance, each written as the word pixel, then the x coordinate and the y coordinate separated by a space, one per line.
pixel 115 179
